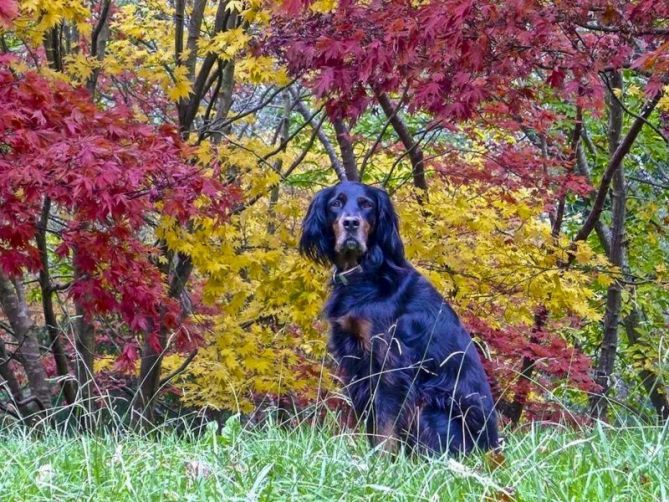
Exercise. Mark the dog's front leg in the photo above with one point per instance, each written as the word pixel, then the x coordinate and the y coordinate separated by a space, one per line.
pixel 383 421
pixel 381 434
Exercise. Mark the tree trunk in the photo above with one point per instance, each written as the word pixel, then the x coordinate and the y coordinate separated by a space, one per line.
pixel 187 109
pixel 615 164
pixel 15 308
pixel 99 40
pixel 50 321
pixel 515 409
pixel 609 345
pixel 653 383
pixel 282 138
pixel 657 392
pixel 85 348
pixel 53 47
pixel 151 362
pixel 194 30
pixel 11 384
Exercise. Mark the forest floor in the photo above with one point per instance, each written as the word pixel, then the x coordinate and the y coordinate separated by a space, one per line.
pixel 316 463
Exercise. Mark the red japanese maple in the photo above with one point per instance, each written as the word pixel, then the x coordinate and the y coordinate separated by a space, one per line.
pixel 455 56
pixel 489 61
pixel 104 175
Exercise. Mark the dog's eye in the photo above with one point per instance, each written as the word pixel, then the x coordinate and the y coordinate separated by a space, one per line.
pixel 365 204
pixel 335 203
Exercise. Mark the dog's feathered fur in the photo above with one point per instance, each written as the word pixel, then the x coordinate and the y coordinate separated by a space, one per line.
pixel 411 370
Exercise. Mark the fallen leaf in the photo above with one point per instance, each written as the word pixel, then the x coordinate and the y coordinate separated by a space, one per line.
pixel 45 475
pixel 197 470
pixel 495 459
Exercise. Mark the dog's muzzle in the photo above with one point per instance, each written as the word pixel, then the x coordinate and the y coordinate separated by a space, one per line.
pixel 351 235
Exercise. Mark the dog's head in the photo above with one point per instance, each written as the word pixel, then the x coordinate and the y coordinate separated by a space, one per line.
pixel 350 224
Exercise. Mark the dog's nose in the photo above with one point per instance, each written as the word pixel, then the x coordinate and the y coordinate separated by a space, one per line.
pixel 351 223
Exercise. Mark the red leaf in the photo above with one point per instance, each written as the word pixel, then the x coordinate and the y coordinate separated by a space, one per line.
pixel 127 361
pixel 8 11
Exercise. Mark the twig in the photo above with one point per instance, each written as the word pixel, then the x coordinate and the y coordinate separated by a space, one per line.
pixel 630 112
pixel 182 367
pixel 614 164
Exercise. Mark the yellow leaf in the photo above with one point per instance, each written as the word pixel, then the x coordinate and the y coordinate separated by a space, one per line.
pixel 181 87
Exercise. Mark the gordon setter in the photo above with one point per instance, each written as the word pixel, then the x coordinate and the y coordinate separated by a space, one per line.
pixel 410 369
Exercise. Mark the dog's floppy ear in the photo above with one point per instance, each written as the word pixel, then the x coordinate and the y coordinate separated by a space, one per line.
pixel 387 234
pixel 317 241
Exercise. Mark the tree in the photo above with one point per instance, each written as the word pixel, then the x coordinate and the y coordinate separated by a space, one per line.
pixel 104 174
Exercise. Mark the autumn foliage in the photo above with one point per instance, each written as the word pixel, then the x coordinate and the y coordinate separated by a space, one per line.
pixel 156 160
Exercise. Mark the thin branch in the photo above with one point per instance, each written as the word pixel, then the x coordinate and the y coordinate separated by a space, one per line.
pixel 346 148
pixel 215 126
pixel 322 137
pixel 248 203
pixel 603 232
pixel 379 138
pixel 182 367
pixel 414 151
pixel 7 328
pixel 305 150
pixel 614 164
pixel 609 29
pixel 214 96
pixel 631 113
pixel 575 141
pixel 283 144
pixel 648 182
pixel 405 153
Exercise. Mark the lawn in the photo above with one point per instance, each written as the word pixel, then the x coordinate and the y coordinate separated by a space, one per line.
pixel 306 463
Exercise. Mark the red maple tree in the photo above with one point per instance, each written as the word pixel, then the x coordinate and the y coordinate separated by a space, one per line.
pixel 96 179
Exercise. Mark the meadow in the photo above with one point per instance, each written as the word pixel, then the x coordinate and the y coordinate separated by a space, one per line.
pixel 270 462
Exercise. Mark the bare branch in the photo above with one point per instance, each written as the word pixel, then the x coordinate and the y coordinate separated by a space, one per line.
pixel 346 148
pixel 182 367
pixel 414 151
pixel 379 138
pixel 614 164
pixel 322 137
pixel 631 113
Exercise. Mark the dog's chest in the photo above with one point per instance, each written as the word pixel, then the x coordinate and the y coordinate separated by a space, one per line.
pixel 358 326
pixel 352 334
pixel 360 343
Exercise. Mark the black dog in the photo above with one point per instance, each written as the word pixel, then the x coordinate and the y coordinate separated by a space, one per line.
pixel 410 368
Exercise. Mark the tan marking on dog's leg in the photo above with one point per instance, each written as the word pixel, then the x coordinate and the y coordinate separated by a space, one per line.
pixel 361 328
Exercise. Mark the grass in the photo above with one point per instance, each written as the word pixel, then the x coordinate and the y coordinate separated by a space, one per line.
pixel 272 463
